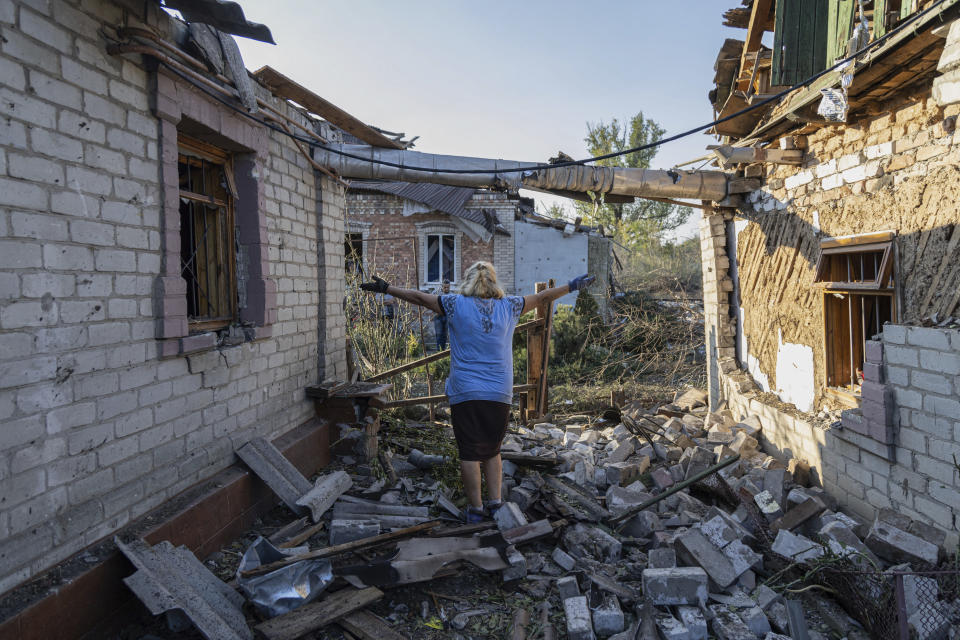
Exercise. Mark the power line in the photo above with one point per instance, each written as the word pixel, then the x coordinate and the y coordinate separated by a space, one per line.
pixel 569 163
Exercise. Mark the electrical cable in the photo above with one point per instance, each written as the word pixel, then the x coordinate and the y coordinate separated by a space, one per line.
pixel 570 163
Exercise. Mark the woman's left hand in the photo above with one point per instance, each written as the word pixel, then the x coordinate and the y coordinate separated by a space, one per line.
pixel 379 285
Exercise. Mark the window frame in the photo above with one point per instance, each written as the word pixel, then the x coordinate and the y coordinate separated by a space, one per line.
pixel 191 147
pixel 426 257
pixel 854 292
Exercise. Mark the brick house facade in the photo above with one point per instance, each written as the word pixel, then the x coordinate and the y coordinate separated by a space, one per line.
pixel 396 243
pixel 800 346
pixel 112 400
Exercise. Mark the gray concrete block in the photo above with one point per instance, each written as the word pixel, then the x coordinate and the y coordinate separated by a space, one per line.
pixel 755 619
pixel 719 532
pixel 742 557
pixel 662 558
pixel 694 548
pixel 563 559
pixel 567 587
pixel 726 625
pixel 896 545
pixel 608 617
pixel 671 629
pixel 642 525
pixel 796 547
pixel 509 516
pixel 674 586
pixel 695 622
pixel 768 505
pixel 579 623
pixel 518 565
pixel 765 596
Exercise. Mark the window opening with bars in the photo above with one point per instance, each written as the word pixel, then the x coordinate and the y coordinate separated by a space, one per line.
pixel 856 276
pixel 207 242
pixel 440 258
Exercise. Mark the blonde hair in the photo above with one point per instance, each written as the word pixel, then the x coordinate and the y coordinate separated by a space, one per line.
pixel 480 281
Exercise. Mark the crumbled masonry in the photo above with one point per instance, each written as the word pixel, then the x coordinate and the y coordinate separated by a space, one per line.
pixel 708 560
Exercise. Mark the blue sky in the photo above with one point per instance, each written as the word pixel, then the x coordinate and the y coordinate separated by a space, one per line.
pixel 516 80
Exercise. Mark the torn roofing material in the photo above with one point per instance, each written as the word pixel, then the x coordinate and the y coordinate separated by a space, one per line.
pixel 171 578
pixel 223 15
pixel 447 199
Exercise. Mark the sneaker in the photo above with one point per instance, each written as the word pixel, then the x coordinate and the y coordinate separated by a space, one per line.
pixel 493 506
pixel 472 515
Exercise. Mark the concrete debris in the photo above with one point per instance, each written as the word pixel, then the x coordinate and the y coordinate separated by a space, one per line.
pixel 677 585
pixel 604 511
pixel 579 622
pixel 277 472
pixel 897 545
pixel 608 617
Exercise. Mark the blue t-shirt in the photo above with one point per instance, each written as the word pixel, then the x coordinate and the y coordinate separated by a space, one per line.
pixel 481 346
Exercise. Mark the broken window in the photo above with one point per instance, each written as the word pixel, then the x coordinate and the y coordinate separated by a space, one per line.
pixel 207 242
pixel 856 275
pixel 353 254
pixel 440 258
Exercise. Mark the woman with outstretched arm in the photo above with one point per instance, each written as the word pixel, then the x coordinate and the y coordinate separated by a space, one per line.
pixel 480 322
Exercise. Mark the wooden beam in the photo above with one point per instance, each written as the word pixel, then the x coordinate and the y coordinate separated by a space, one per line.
pixel 439 355
pixel 729 155
pixel 406 402
pixel 316 615
pixel 759 18
pixel 284 87
pixel 367 626
pixel 355 545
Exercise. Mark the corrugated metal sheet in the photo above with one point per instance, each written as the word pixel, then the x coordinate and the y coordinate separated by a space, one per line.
pixel 223 15
pixel 450 200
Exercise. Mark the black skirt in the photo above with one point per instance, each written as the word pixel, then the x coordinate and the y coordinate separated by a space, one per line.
pixel 479 427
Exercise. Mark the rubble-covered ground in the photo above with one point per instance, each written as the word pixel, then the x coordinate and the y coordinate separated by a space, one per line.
pixel 749 551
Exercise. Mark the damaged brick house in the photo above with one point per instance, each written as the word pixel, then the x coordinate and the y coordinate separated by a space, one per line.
pixel 171 272
pixel 833 285
pixel 421 234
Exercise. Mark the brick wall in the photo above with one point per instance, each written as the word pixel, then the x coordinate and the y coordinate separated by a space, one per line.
pixel 95 428
pixel 390 236
pixel 893 169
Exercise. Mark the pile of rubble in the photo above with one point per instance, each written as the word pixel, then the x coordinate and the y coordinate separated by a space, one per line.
pixel 668 522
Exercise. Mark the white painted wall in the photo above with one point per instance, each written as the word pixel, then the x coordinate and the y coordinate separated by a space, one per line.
pixel 795 373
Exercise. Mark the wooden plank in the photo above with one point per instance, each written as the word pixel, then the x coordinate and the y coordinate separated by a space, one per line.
pixel 284 87
pixel 317 615
pixel 543 391
pixel 368 626
pixel 776 68
pixel 758 20
pixel 303 536
pixel 858 238
pixel 355 545
pixel 439 355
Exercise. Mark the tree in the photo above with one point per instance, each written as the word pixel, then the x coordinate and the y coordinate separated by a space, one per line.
pixel 643 221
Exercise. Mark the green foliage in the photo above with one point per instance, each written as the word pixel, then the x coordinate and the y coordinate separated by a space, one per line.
pixel 643 222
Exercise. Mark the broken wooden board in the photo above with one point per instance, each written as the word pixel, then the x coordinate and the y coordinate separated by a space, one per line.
pixel 284 87
pixel 326 389
pixel 346 547
pixel 276 471
pixel 171 578
pixel 317 615
pixel 368 626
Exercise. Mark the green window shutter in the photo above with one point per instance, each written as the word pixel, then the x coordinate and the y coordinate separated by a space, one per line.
pixel 800 39
pixel 879 9
pixel 839 28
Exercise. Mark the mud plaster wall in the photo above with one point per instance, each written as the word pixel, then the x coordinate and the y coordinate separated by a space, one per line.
pixel 896 171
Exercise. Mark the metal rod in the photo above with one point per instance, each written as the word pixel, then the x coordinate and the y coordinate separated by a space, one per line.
pixel 902 625
pixel 672 490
